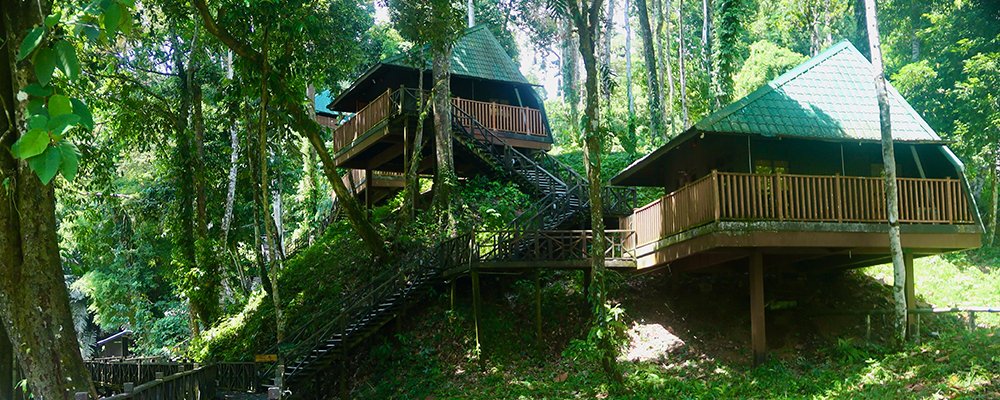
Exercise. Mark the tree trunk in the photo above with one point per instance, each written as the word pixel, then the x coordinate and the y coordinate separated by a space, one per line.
pixel 307 127
pixel 6 366
pixel 586 20
pixel 914 27
pixel 996 196
pixel 570 71
pixel 889 162
pixel 34 300
pixel 628 72
pixel 609 28
pixel 680 64
pixel 416 150
pixel 205 260
pixel 227 216
pixel 445 179
pixel 706 40
pixel 652 84
pixel 664 64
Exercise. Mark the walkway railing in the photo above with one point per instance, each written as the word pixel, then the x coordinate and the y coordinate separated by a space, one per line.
pixel 374 113
pixel 726 196
pixel 196 384
pixel 504 118
pixel 514 245
pixel 141 377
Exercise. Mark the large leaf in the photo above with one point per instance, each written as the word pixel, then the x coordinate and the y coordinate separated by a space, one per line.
pixel 38 121
pixel 112 17
pixel 37 90
pixel 37 106
pixel 45 65
pixel 80 108
pixel 66 59
pixel 60 124
pixel 70 160
pixel 30 42
pixel 46 165
pixel 31 143
pixel 59 105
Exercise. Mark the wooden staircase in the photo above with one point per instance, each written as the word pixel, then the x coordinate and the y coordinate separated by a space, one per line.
pixel 560 199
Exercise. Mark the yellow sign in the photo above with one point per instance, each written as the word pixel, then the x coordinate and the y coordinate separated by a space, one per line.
pixel 265 358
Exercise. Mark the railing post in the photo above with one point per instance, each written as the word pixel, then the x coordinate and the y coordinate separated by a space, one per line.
pixel 950 203
pixel 717 200
pixel 779 195
pixel 81 396
pixel 839 197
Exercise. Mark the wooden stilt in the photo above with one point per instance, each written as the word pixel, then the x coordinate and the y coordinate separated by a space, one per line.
pixel 369 185
pixel 345 390
pixel 758 340
pixel 588 276
pixel 911 301
pixel 453 284
pixel 538 304
pixel 475 303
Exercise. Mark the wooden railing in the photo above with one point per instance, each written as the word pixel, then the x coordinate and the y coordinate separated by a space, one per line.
pixel 195 384
pixel 499 117
pixel 513 245
pixel 502 117
pixel 374 113
pixel 805 198
pixel 114 373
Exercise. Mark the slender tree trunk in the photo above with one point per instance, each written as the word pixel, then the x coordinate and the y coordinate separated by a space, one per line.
pixel 6 366
pixel 609 29
pixel 416 150
pixel 652 84
pixel 307 127
pixel 34 300
pixel 273 254
pixel 628 71
pixel 914 27
pixel 889 162
pixel 184 236
pixel 996 196
pixel 706 40
pixel 445 180
pixel 680 64
pixel 205 252
pixel 227 215
pixel 663 67
pixel 570 71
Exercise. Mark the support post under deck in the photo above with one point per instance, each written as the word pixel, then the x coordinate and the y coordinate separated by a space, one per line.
pixel 758 340
pixel 475 302
pixel 911 301
pixel 588 277
pixel 538 304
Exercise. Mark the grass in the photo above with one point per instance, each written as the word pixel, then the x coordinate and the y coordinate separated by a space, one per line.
pixel 435 357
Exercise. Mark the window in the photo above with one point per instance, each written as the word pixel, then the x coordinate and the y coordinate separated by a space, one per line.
pixel 769 167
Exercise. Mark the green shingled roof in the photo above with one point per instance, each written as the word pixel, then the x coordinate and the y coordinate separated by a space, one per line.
pixel 831 96
pixel 477 54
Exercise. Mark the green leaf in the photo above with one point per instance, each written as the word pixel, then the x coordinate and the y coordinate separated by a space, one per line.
pixel 38 121
pixel 45 65
pixel 47 164
pixel 80 108
pixel 66 59
pixel 112 17
pixel 37 90
pixel 31 144
pixel 70 160
pixel 91 31
pixel 52 20
pixel 37 106
pixel 59 105
pixel 30 42
pixel 60 124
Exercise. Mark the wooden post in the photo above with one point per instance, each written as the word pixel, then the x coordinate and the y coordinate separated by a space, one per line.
pixel 453 284
pixel 345 391
pixel 538 304
pixel 80 396
pixel 972 320
pixel 273 393
pixel 475 303
pixel 588 276
pixel 716 199
pixel 868 327
pixel 910 297
pixel 368 190
pixel 128 387
pixel 758 341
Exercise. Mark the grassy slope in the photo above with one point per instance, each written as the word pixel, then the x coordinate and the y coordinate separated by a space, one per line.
pixel 435 358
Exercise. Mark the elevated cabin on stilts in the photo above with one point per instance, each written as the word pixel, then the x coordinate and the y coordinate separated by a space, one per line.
pixel 374 121
pixel 789 178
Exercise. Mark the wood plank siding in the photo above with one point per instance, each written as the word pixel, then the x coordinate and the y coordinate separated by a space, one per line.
pixel 725 196
pixel 504 118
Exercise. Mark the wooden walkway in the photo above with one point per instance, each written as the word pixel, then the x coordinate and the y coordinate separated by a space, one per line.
pixel 163 380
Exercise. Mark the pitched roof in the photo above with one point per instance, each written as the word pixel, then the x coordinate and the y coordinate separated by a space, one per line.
pixel 477 54
pixel 831 96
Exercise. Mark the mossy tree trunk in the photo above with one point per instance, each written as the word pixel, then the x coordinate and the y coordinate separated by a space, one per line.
pixel 652 81
pixel 34 300
pixel 445 180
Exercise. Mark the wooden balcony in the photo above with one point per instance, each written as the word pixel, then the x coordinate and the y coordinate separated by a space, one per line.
pixel 744 208
pixel 522 126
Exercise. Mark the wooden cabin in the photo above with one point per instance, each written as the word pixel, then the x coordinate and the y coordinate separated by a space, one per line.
pixel 790 178
pixel 375 119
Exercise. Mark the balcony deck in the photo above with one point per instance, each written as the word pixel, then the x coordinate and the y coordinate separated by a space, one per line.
pixel 378 122
pixel 828 221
